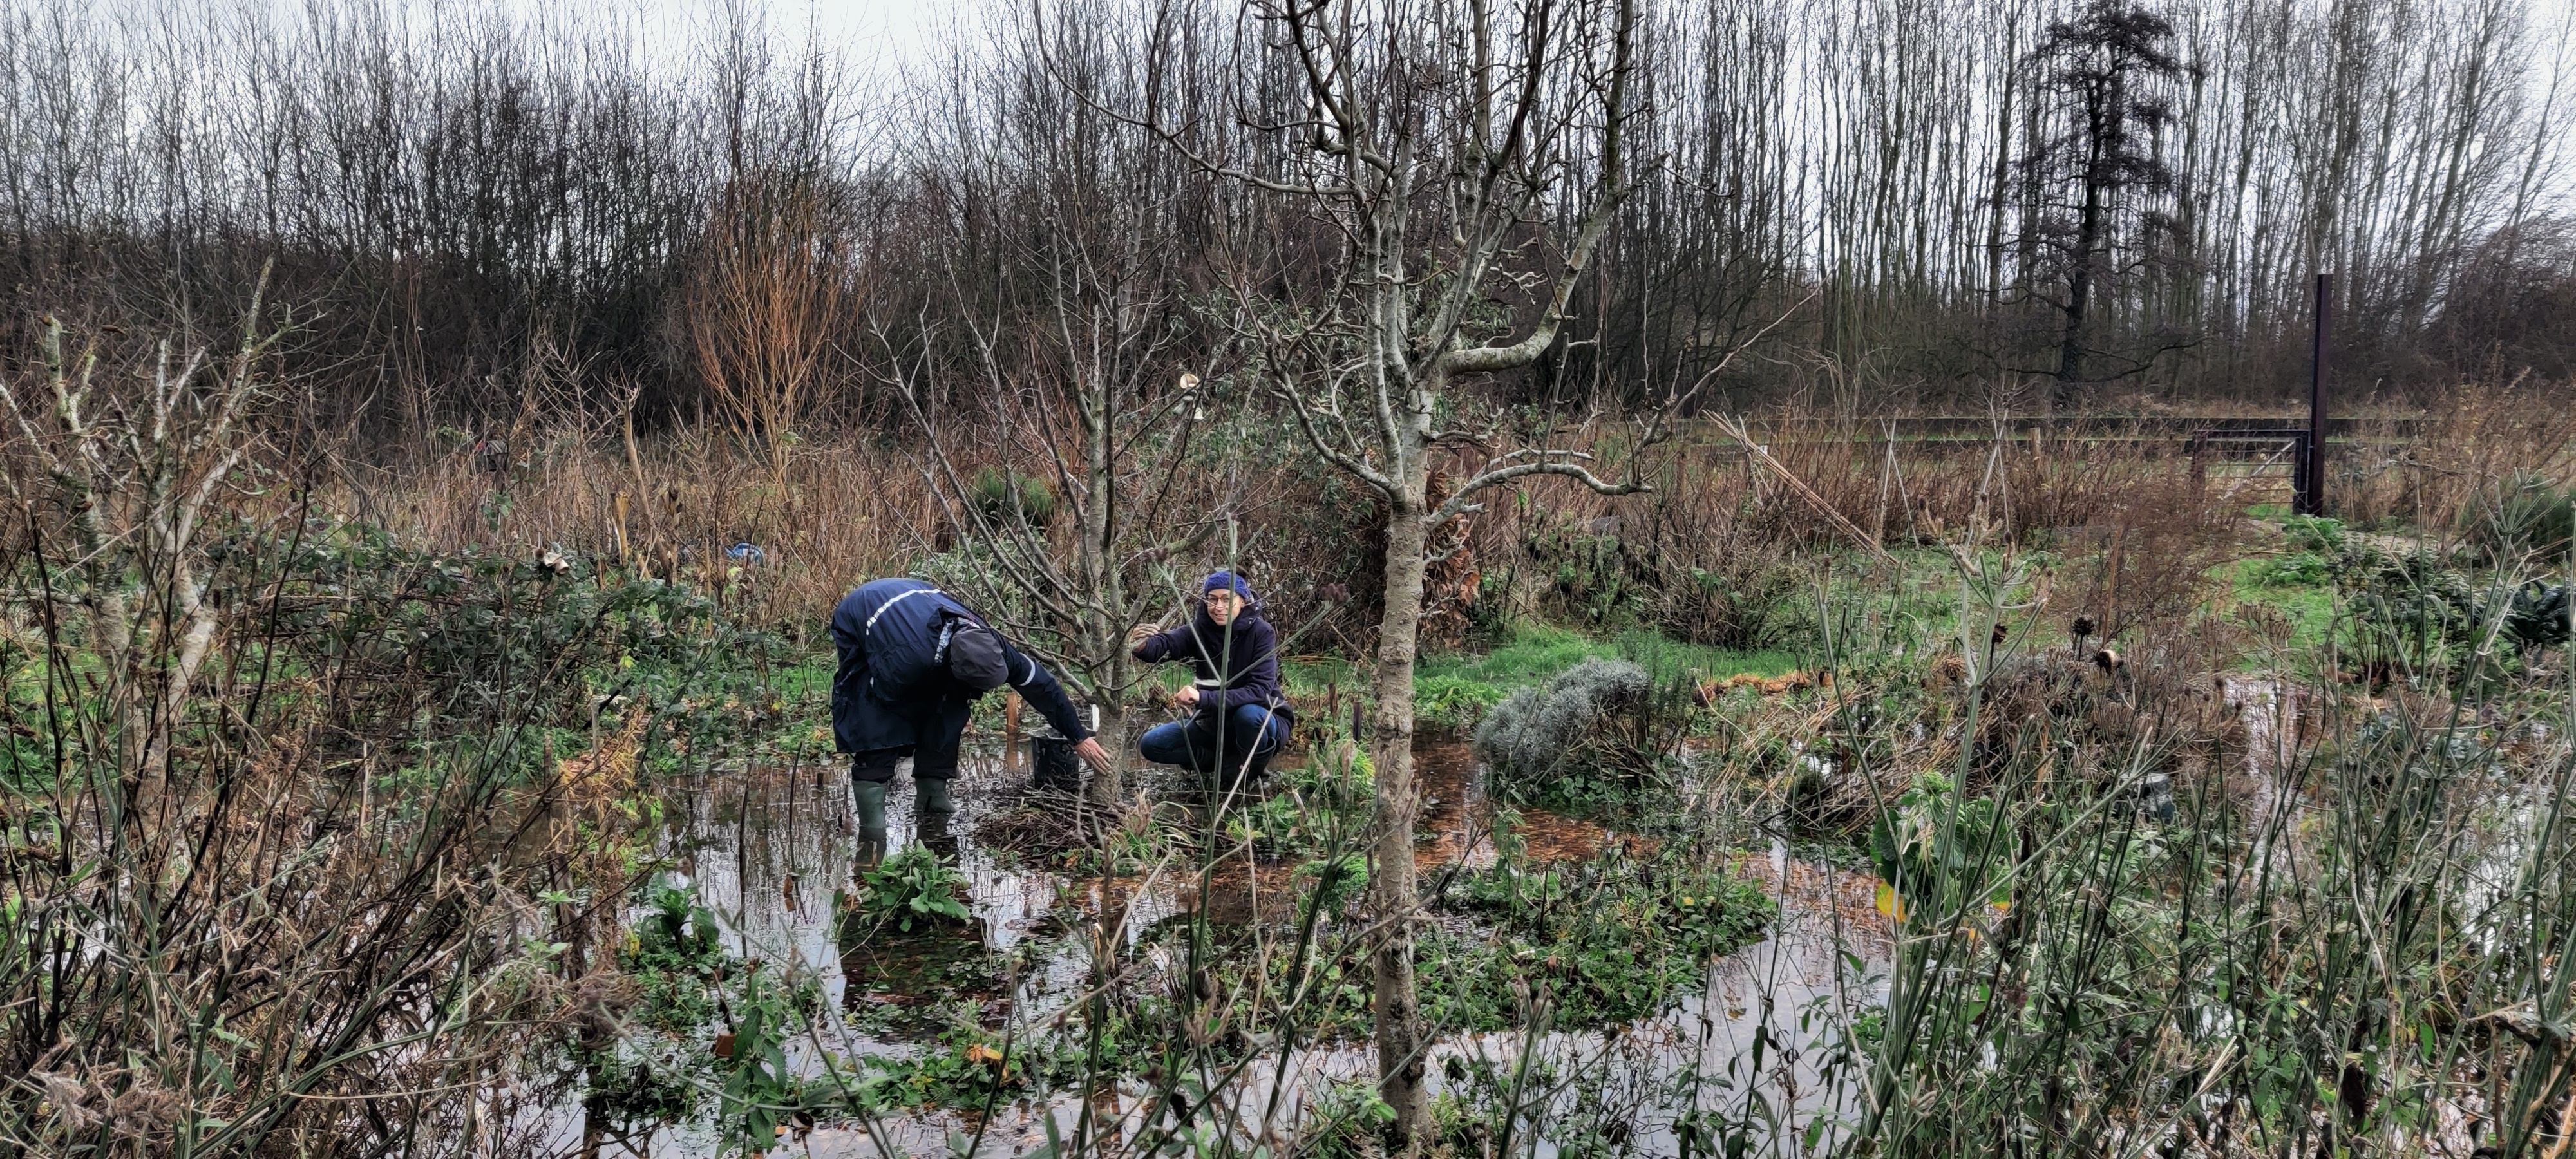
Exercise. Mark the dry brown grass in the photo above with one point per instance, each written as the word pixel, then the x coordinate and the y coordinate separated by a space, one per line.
pixel 851 507
pixel 846 511
pixel 2472 437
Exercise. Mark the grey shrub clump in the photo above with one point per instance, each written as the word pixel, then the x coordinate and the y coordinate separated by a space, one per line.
pixel 1539 734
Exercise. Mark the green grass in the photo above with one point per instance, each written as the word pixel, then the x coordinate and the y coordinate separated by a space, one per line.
pixel 810 679
pixel 1456 689
pixel 2310 608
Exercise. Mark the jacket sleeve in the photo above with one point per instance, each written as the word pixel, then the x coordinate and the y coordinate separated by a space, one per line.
pixel 1171 644
pixel 1043 693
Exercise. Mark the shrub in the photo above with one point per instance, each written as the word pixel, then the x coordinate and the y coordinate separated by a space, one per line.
pixel 1587 738
pixel 2314 533
pixel 1003 496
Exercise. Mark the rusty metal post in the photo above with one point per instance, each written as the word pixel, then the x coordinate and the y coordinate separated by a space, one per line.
pixel 2312 472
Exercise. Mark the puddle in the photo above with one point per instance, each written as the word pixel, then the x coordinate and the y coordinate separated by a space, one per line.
pixel 768 850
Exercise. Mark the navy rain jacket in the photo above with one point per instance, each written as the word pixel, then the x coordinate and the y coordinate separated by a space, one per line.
pixel 893 690
pixel 1252 654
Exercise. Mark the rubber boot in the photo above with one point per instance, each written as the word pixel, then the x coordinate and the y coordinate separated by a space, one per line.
pixel 930 796
pixel 932 828
pixel 871 799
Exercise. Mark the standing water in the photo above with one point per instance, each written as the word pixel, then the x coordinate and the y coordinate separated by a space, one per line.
pixel 769 850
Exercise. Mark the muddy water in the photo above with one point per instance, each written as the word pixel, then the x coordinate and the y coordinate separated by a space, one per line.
pixel 768 850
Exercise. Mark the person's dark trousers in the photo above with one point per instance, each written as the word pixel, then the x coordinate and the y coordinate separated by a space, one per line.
pixel 940 727
pixel 934 762
pixel 876 766
pixel 1250 729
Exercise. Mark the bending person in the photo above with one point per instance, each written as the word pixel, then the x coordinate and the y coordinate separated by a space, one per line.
pixel 913 660
pixel 1238 718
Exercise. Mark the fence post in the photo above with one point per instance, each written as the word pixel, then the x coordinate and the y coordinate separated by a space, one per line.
pixel 2312 470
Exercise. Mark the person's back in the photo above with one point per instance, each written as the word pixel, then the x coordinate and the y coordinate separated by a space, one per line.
pixel 887 633
pixel 912 661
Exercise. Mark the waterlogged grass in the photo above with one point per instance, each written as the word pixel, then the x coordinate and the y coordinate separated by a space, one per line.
pixel 1456 690
pixel 703 1023
pixel 1603 942
pixel 2047 916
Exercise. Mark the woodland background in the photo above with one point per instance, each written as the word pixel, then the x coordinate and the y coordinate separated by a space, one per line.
pixel 486 222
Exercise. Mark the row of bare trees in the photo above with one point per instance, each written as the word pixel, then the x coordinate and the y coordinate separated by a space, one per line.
pixel 2097 195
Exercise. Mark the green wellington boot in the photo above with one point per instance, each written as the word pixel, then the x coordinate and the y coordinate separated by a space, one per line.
pixel 870 796
pixel 930 795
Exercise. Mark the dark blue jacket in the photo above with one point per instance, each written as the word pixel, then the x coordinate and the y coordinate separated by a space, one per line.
pixel 1243 654
pixel 892 687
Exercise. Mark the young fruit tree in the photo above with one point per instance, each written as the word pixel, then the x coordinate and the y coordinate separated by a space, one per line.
pixel 1433 180
pixel 1053 411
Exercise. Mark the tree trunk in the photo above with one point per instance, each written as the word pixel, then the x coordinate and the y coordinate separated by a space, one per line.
pixel 1099 539
pixel 1108 785
pixel 2079 291
pixel 1400 1040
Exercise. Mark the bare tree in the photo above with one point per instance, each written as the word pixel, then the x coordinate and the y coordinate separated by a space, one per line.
pixel 1459 172
pixel 776 281
pixel 1080 404
pixel 1045 372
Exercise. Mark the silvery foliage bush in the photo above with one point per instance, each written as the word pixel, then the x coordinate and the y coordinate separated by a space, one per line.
pixel 1538 732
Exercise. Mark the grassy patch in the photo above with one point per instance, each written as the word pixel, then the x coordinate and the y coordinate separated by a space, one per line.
pixel 2309 607
pixel 1455 690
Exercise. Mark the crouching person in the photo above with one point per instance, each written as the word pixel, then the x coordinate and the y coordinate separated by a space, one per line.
pixel 1238 716
pixel 912 662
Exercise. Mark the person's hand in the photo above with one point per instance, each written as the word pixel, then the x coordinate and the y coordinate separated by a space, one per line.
pixel 1090 750
pixel 1143 632
pixel 1187 697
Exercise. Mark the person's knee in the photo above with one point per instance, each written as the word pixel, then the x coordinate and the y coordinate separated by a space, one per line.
pixel 1257 725
pixel 875 766
pixel 1164 744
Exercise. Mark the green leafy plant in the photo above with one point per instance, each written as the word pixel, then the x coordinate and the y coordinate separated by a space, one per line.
pixel 1335 880
pixel 1308 800
pixel 762 1094
pixel 1934 852
pixel 2316 534
pixel 965 1068
pixel 912 890
pixel 675 931
pixel 1345 1121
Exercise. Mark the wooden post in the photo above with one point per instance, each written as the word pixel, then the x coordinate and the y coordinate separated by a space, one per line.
pixel 2312 472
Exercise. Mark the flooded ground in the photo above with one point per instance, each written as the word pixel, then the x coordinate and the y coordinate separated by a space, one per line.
pixel 769 849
